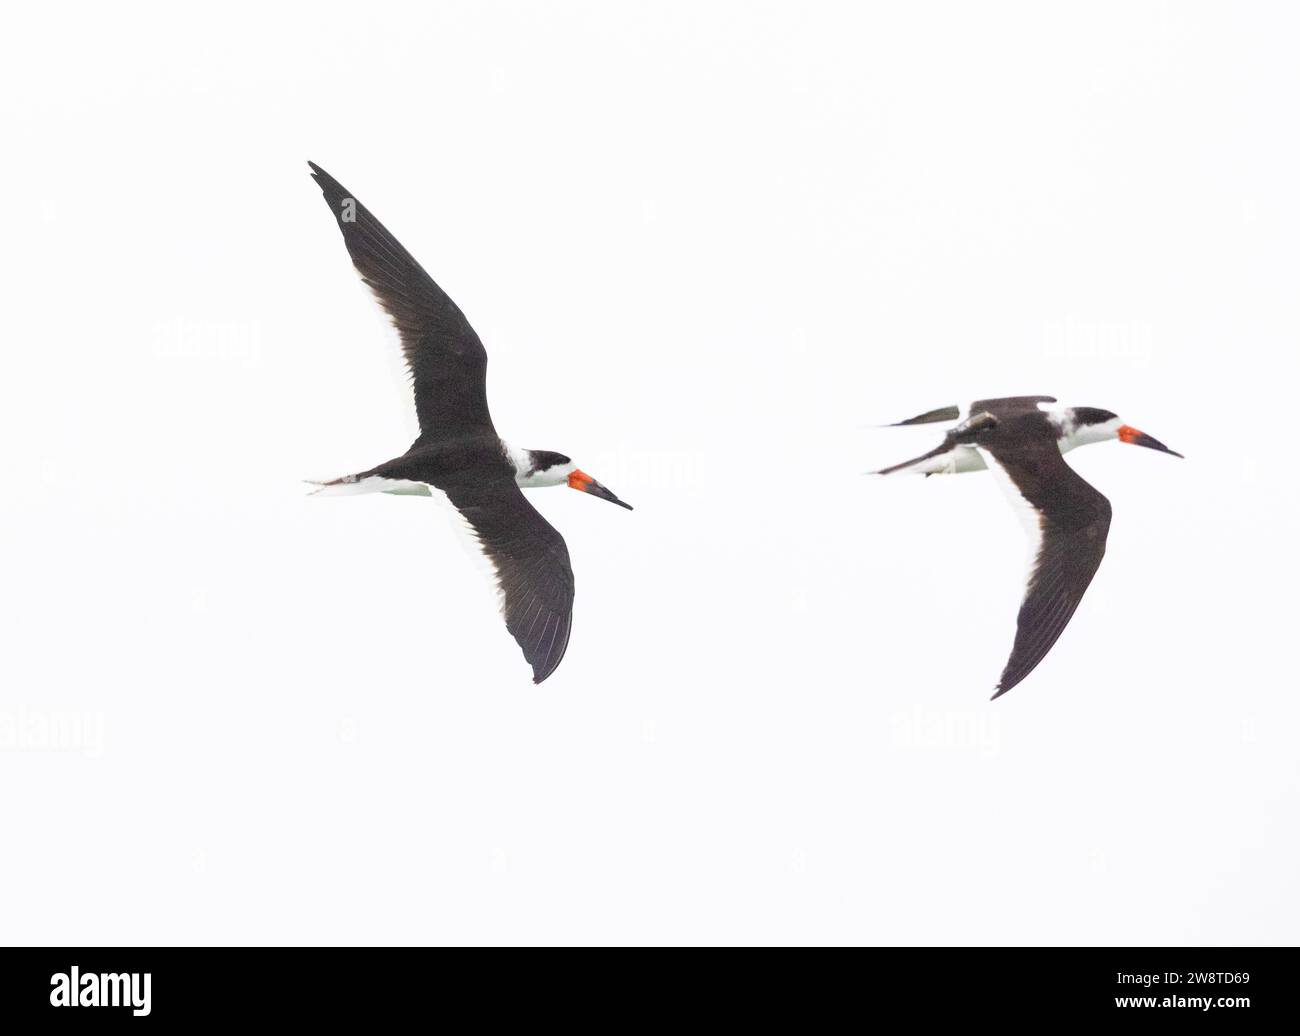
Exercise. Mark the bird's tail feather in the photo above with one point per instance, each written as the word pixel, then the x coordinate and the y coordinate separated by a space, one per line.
pixel 348 485
pixel 354 485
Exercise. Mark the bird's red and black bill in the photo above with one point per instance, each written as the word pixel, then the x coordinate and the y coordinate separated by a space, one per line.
pixel 584 483
pixel 1134 437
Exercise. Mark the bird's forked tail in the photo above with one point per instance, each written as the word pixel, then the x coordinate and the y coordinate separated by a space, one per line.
pixel 355 485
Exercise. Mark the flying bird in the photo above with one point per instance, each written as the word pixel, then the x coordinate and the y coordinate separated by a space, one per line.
pixel 458 450
pixel 1022 439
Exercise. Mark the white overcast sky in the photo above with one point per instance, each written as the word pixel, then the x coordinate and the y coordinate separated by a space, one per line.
pixel 707 246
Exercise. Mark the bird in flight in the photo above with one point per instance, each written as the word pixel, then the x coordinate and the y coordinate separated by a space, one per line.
pixel 1022 439
pixel 458 450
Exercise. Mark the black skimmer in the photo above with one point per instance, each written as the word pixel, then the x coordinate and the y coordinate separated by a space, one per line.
pixel 459 451
pixel 1022 440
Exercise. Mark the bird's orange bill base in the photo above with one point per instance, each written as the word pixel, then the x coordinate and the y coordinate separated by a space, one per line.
pixel 584 483
pixel 1129 434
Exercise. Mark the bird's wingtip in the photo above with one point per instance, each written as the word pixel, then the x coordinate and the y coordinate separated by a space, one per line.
pixel 1008 682
pixel 319 175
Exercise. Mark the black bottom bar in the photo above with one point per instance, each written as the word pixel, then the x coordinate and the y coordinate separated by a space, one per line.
pixel 162 987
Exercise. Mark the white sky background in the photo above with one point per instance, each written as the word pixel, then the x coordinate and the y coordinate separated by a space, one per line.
pixel 705 245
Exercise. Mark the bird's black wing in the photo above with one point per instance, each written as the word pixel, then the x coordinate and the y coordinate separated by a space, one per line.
pixel 944 413
pixel 1007 406
pixel 448 363
pixel 1068 520
pixel 1010 406
pixel 532 567
pixel 947 446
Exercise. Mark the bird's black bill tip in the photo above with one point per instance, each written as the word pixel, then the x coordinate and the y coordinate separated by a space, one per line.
pixel 1155 444
pixel 605 494
pixel 1135 437
pixel 584 483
